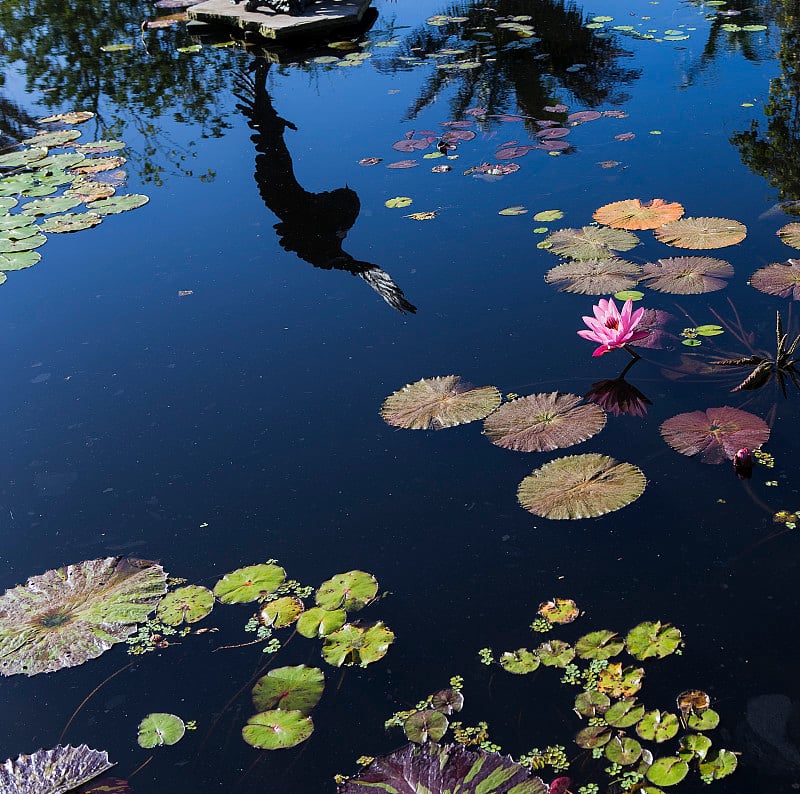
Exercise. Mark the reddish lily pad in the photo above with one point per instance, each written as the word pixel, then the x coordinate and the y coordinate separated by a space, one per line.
pixel 779 278
pixel 790 234
pixel 687 275
pixel 715 434
pixel 594 276
pixel 634 214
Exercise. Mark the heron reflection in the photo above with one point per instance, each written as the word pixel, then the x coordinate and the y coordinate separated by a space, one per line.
pixel 312 225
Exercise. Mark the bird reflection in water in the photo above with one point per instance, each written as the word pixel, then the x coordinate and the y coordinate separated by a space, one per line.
pixel 313 225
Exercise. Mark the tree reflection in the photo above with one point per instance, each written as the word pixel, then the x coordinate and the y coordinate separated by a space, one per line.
pixel 771 148
pixel 525 70
pixel 312 225
pixel 57 46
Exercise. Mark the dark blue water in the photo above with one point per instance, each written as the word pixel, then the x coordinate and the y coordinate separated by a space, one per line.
pixel 241 422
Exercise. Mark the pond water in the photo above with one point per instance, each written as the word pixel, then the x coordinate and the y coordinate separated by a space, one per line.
pixel 199 381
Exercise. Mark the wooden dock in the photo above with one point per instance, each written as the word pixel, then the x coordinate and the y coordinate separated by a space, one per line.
pixel 319 18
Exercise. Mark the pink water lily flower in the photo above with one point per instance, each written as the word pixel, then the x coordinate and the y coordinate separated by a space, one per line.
pixel 612 328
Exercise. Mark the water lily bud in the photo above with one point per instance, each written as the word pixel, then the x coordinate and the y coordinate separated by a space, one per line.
pixel 743 463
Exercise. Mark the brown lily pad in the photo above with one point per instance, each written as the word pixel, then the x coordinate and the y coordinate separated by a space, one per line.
pixel 590 242
pixel 790 234
pixel 779 278
pixel 687 275
pixel 434 403
pixel 702 233
pixel 581 486
pixel 594 276
pixel 544 422
pixel 715 434
pixel 633 214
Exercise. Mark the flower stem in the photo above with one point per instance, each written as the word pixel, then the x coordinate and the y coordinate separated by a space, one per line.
pixel 635 355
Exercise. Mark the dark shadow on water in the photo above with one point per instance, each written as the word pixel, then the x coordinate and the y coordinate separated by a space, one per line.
pixel 312 225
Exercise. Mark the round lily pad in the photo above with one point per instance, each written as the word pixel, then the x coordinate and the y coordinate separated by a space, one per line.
pixel 601 644
pixel 8 203
pixel 594 276
pixel 790 234
pixel 319 622
pixel 353 644
pixel 667 771
pixel 719 765
pixel 693 701
pixel 19 260
pixel 618 682
pixel 50 206
pixel 277 729
pixel 694 745
pixel 623 751
pixel 296 688
pixel 56 138
pixel 8 222
pixel 543 422
pixel 71 222
pixel 624 713
pixel 590 242
pixel 190 604
pixel 447 701
pixel 398 202
pixel 634 214
pixel 88 190
pixel 117 204
pixel 701 233
pixel 249 584
pixel 592 703
pixel 581 486
pixel 60 162
pixel 425 725
pixel 559 610
pixel 21 239
pixel 652 640
pixel 520 661
pixel 281 612
pixel 70 117
pixel 100 147
pixel 350 591
pixel 22 158
pixel 555 653
pixel 687 275
pixel 779 278
pixel 593 736
pixel 94 165
pixel 706 721
pixel 158 729
pixel 658 726
pixel 434 403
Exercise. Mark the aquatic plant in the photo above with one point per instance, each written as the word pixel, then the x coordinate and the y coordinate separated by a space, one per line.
pixel 594 276
pixel 611 328
pixel 159 729
pixel 687 275
pixel 55 771
pixel 701 233
pixel 635 214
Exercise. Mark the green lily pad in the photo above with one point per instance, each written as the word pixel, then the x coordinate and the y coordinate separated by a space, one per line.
pixel 658 726
pixel 8 222
pixel 56 138
pixel 694 745
pixel 592 703
pixel 520 661
pixel 709 330
pixel 350 591
pixel 555 653
pixel 281 612
pixel 652 639
pixel 22 239
pixel 19 260
pixel 629 294
pixel 71 222
pixel 559 610
pixel 352 644
pixel 7 204
pixel 3 278
pixel 398 202
pixel 16 184
pixel 99 147
pixel 601 644
pixel 593 736
pixel 190 604
pixel 719 765
pixel 277 729
pixel 296 688
pixel 547 216
pixel 117 204
pixel 425 725
pixel 624 713
pixel 319 622
pixel 623 751
pixel 60 162
pixel 116 47
pixel 158 729
pixel 515 210
pixel 667 771
pixel 22 158
pixel 249 584
pixel 50 206
pixel 706 721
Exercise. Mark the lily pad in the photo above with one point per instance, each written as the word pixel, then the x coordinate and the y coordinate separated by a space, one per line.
pixel 398 202
pixel 50 206
pixel 88 190
pixel 590 242
pixel 667 771
pixel 22 158
pixel 624 713
pixel 117 204
pixel 593 736
pixel 515 210
pixel 296 688
pixel 687 275
pixel 779 278
pixel 21 239
pixel 66 616
pixel 447 701
pixel 434 403
pixel 281 612
pixel 559 610
pixel 719 765
pixel 581 486
pixel 693 701
pixel 7 204
pixel 159 729
pixel 548 216
pixel 591 703
pixel 9 222
pixel 633 214
pixel 555 653
pixel 70 117
pixel 104 147
pixel 617 682
pixel 706 721
pixel 190 604
pixel 277 729
pixel 601 645
pixel 249 584
pixel 94 165
pixel 658 726
pixel 60 162
pixel 702 233
pixel 623 750
pixel 71 222
pixel 715 434
pixel 352 644
pixel 519 662
pixel 438 769
pixel 790 234
pixel 52 771
pixel 319 622
pixel 652 640
pixel 425 725
pixel 543 422
pixel 19 260
pixel 694 745
pixel 350 591
pixel 56 138
pixel 594 276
